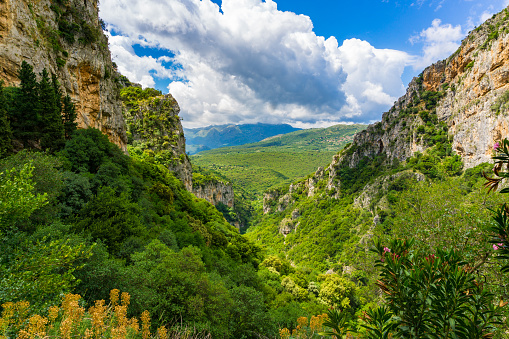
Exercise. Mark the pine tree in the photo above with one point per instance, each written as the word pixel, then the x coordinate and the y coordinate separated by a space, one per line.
pixel 5 127
pixel 58 93
pixel 69 116
pixel 25 119
pixel 50 109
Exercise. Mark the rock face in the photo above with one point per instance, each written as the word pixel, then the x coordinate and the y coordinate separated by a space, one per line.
pixel 468 92
pixel 278 200
pixel 216 192
pixel 67 40
pixel 463 100
pixel 153 123
pixel 366 197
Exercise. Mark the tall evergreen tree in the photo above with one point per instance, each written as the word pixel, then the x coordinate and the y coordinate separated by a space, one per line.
pixel 50 109
pixel 69 116
pixel 25 119
pixel 58 93
pixel 5 127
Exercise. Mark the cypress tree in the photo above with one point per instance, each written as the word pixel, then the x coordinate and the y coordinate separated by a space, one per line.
pixel 69 117
pixel 50 109
pixel 25 119
pixel 5 127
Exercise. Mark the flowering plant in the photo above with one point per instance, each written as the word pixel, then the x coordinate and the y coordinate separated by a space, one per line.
pixel 430 294
pixel 500 228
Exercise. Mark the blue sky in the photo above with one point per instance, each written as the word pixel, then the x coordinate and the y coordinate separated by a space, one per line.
pixel 306 63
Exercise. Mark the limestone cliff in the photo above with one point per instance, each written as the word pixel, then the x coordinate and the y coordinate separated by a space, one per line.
pixel 463 100
pixel 278 200
pixel 65 37
pixel 219 192
pixel 215 193
pixel 466 97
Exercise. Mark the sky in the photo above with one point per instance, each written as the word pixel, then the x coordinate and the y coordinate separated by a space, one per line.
pixel 304 63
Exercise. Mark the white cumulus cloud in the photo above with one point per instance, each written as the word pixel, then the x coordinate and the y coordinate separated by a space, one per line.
pixel 440 41
pixel 247 61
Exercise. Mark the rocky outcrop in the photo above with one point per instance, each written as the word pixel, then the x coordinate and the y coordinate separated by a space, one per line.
pixel 278 200
pixel 67 40
pixel 462 101
pixel 466 94
pixel 153 123
pixel 367 197
pixel 287 225
pixel 216 192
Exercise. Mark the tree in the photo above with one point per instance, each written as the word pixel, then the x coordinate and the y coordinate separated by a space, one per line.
pixel 5 126
pixel 89 149
pixel 336 291
pixel 433 293
pixel 69 117
pixel 25 122
pixel 18 201
pixel 176 286
pixel 111 218
pixel 39 271
pixel 49 110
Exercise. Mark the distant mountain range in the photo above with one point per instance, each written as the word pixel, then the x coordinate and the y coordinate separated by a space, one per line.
pixel 205 138
pixel 279 159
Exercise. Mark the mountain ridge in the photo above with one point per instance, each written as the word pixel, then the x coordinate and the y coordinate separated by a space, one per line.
pixel 472 81
pixel 277 157
pixel 216 136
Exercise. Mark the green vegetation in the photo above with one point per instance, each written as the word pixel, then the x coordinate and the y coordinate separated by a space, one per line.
pixel 492 35
pixel 35 115
pixel 469 65
pixel 85 218
pixel 152 124
pixel 501 105
pixel 277 160
pixel 406 249
pixel 441 209
pixel 120 222
pixel 205 138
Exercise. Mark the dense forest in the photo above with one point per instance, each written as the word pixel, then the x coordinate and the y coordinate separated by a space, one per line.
pixel 79 216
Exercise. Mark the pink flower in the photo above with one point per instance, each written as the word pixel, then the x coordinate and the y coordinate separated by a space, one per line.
pixel 495 247
pixel 496 146
pixel 386 249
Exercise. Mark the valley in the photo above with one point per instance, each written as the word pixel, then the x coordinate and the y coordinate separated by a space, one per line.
pixel 111 228
pixel 277 160
pixel 206 138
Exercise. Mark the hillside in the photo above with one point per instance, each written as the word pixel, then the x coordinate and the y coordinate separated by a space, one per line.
pixel 80 218
pixel 279 159
pixel 200 139
pixel 415 174
pixel 449 119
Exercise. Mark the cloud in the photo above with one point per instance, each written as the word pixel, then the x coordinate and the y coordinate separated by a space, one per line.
pixel 249 62
pixel 485 16
pixel 137 69
pixel 439 40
